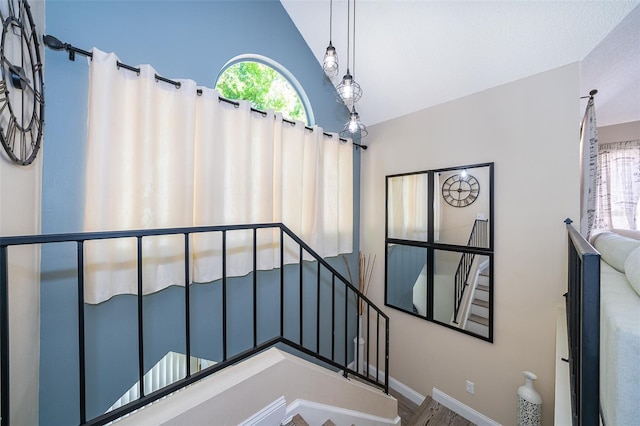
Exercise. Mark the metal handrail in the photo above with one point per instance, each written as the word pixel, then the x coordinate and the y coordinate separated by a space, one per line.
pixel 374 316
pixel 583 328
pixel 477 238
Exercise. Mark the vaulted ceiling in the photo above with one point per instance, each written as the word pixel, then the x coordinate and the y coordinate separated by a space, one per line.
pixel 412 55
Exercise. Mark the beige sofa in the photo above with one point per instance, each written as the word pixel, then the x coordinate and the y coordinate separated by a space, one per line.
pixel 619 326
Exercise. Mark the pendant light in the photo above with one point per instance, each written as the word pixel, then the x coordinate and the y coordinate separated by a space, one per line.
pixel 348 91
pixel 330 61
pixel 354 126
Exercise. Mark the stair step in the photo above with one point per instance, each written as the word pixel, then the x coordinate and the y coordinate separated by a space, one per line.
pixel 482 303
pixel 482 287
pixel 297 420
pixel 479 319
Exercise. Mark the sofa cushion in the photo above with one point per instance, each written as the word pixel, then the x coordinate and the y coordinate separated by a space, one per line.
pixel 614 248
pixel 632 269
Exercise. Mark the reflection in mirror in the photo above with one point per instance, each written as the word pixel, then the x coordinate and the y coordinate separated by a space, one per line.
pixel 461 291
pixel 439 248
pixel 407 212
pixel 461 196
pixel 407 278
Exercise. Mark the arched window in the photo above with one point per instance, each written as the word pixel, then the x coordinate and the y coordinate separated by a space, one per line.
pixel 267 85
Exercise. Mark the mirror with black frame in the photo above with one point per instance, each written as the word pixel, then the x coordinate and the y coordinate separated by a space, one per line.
pixel 439 246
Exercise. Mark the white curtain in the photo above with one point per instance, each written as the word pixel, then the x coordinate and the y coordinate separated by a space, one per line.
pixel 159 156
pixel 588 169
pixel 407 214
pixel 618 185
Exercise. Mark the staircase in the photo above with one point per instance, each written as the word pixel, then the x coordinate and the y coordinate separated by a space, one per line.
pixel 478 319
pixel 316 310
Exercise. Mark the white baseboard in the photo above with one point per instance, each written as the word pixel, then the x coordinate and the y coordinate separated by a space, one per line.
pixel 462 409
pixel 271 415
pixel 438 396
pixel 403 389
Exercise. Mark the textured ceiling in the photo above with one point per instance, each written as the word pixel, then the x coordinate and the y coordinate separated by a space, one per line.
pixel 411 55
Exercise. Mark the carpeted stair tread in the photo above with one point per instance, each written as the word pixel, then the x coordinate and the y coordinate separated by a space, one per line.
pixel 479 319
pixel 297 420
pixel 482 303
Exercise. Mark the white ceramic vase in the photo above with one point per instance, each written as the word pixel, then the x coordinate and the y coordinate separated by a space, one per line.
pixel 529 402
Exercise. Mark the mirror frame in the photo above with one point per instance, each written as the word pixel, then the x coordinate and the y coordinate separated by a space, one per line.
pixel 432 246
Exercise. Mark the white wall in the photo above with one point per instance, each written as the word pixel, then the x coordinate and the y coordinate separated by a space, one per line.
pixel 530 129
pixel 20 213
pixel 618 132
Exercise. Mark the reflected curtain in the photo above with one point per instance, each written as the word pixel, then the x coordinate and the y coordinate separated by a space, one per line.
pixel 618 185
pixel 588 168
pixel 160 156
pixel 408 207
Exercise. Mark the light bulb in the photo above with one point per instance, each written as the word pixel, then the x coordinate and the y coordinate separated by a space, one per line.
pixel 330 61
pixel 353 124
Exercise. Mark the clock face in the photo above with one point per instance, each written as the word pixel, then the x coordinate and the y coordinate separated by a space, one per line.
pixel 21 83
pixel 460 190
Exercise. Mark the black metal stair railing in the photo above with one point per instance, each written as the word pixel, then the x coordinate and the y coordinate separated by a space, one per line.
pixel 479 237
pixel 376 334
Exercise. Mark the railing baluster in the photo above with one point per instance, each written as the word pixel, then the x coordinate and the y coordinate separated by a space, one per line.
pixel 187 304
pixel 140 323
pixel 377 346
pixel 224 295
pixel 301 298
pixel 346 322
pixel 318 311
pixel 81 351
pixel 281 282
pixel 333 315
pixel 4 331
pixel 357 346
pixel 386 357
pixel 255 287
pixel 368 339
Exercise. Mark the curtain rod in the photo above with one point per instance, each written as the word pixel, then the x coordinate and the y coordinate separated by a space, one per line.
pixel 54 43
pixel 591 94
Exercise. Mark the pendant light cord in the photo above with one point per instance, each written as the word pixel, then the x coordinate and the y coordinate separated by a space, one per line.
pixel 354 39
pixel 330 20
pixel 348 30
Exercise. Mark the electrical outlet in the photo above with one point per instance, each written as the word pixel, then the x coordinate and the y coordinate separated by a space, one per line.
pixel 470 387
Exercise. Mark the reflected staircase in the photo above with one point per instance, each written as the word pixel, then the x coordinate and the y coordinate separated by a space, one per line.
pixel 478 319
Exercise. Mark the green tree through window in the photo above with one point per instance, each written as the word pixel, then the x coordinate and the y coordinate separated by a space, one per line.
pixel 264 87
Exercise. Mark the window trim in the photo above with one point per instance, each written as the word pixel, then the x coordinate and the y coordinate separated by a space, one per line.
pixel 252 57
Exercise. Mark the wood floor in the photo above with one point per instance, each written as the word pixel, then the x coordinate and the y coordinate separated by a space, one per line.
pixel 429 413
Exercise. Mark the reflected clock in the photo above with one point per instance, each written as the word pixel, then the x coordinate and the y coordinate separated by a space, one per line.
pixel 21 83
pixel 460 190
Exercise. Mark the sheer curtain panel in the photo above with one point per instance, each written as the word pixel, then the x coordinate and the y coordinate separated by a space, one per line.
pixel 160 156
pixel 618 185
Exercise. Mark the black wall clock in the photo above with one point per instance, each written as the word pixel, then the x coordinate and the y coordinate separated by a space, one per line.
pixel 21 85
pixel 460 190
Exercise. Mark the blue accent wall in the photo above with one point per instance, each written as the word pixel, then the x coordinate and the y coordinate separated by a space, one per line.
pixel 180 39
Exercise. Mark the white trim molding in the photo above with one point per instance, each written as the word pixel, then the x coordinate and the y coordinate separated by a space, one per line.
pixel 271 415
pixel 413 396
pixel 316 413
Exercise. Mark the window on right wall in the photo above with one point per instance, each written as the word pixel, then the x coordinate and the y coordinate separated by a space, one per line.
pixel 618 186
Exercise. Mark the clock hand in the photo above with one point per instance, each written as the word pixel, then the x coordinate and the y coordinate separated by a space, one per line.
pixel 14 69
